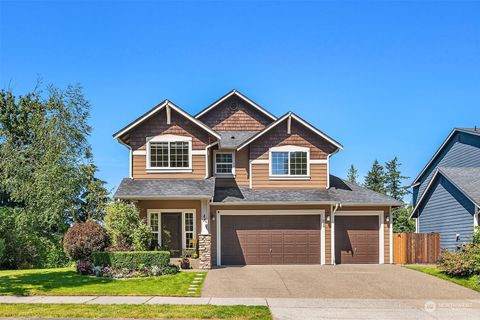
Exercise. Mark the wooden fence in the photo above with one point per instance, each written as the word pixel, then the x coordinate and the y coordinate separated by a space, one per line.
pixel 409 248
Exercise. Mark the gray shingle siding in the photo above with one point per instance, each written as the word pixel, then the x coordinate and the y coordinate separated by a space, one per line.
pixel 462 151
pixel 447 211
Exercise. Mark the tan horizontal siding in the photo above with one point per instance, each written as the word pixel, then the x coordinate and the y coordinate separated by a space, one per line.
pixel 261 179
pixel 140 171
pixel 242 167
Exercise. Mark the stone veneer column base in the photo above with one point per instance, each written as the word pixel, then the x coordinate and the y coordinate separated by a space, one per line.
pixel 205 251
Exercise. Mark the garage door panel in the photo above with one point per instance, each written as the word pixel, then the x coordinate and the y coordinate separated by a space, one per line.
pixel 271 239
pixel 356 239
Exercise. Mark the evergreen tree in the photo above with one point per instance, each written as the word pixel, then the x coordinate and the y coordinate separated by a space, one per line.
pixel 402 221
pixel 352 174
pixel 375 178
pixel 394 180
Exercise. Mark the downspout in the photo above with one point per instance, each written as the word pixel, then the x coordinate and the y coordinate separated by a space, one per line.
pixel 130 170
pixel 332 223
pixel 207 159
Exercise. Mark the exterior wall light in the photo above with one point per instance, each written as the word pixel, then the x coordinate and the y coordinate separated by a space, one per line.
pixel 387 219
pixel 328 218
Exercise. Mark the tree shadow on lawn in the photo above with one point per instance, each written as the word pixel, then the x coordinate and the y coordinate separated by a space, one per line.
pixel 28 283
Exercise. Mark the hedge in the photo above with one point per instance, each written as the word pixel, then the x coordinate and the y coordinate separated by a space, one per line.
pixel 131 259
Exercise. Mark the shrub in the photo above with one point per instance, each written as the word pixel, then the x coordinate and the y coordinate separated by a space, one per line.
pixel 83 239
pixel 132 260
pixel 125 226
pixel 476 236
pixel 2 248
pixel 142 236
pixel 461 263
pixel 170 269
pixel 85 267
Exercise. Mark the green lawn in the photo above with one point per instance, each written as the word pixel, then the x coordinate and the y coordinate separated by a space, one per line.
pixel 66 281
pixel 133 311
pixel 472 282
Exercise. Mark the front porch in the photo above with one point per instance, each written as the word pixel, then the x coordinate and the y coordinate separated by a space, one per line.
pixel 181 227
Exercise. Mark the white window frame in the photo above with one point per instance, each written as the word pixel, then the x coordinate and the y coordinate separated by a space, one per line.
pixel 220 174
pixel 288 149
pixel 169 138
pixel 183 212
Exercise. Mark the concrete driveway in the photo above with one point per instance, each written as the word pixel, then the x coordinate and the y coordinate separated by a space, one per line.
pixel 343 292
pixel 323 282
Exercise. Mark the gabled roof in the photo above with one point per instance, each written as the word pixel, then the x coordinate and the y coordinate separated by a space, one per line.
pixel 159 107
pixel 466 180
pixel 235 92
pixel 473 131
pixel 297 118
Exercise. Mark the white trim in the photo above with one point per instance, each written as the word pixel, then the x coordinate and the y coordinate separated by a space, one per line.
pixel 381 235
pixel 174 107
pixel 299 203
pixel 169 138
pixel 140 152
pixel 220 213
pixel 289 125
pixel 207 159
pixel 319 161
pixel 328 171
pixel 303 122
pixel 417 224
pixel 130 158
pixel 247 212
pixel 169 114
pixel 289 149
pixel 223 175
pixel 250 174
pixel 424 192
pixel 182 217
pixel 475 217
pixel 259 161
pixel 390 224
pixel 199 152
pixel 238 94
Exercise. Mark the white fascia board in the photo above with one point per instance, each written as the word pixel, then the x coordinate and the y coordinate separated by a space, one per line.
pixel 249 203
pixel 303 122
pixel 183 197
pixel 238 94
pixel 174 107
pixel 261 133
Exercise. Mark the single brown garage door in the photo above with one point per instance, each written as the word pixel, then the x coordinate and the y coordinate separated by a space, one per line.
pixel 356 239
pixel 270 239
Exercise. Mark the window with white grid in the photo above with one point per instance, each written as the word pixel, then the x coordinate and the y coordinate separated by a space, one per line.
pixel 224 163
pixel 189 228
pixel 289 163
pixel 154 224
pixel 170 154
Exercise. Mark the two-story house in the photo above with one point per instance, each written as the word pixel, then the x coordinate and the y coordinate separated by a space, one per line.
pixel 248 187
pixel 446 193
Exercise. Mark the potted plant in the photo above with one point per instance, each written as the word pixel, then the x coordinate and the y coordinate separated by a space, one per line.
pixel 185 261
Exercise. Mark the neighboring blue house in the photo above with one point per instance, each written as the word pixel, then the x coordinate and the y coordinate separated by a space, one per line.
pixel 446 194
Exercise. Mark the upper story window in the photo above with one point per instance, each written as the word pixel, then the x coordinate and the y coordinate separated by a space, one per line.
pixel 224 163
pixel 169 152
pixel 289 161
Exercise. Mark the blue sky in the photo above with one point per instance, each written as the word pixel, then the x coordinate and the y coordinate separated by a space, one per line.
pixel 384 78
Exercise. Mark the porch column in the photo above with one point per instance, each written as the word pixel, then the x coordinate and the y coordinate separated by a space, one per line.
pixel 205 229
pixel 205 239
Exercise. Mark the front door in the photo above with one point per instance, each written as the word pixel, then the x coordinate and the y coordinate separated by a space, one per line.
pixel 172 232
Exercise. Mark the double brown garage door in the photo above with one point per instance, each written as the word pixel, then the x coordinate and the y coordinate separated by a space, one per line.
pixel 270 239
pixel 295 239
